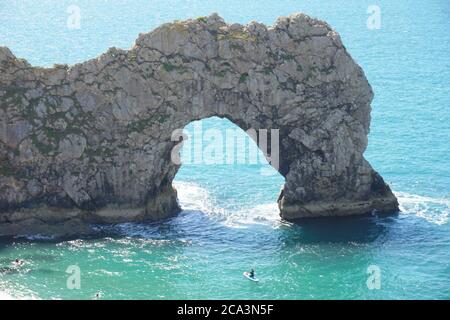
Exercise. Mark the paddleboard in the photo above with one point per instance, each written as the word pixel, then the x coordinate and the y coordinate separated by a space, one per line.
pixel 247 275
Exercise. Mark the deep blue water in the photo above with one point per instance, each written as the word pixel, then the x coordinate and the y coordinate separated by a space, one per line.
pixel 230 222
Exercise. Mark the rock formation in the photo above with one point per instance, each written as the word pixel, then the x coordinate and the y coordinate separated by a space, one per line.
pixel 92 142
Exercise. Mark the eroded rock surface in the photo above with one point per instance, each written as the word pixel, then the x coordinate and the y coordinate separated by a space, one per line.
pixel 93 140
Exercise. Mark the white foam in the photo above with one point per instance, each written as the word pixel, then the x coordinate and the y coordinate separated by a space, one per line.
pixel 15 292
pixel 194 197
pixel 109 273
pixel 5 296
pixel 434 210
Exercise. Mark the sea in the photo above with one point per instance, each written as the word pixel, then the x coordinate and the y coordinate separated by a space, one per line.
pixel 230 221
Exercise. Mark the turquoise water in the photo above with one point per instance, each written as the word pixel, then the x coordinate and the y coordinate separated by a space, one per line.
pixel 230 221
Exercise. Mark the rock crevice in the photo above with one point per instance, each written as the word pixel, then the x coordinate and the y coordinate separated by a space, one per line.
pixel 97 135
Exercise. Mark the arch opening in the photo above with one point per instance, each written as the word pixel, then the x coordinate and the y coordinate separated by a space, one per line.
pixel 224 159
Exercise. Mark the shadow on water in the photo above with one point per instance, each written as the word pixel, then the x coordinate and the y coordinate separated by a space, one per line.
pixel 196 224
pixel 100 231
pixel 357 229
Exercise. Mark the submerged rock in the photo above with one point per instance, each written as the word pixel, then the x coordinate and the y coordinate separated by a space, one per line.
pixel 95 138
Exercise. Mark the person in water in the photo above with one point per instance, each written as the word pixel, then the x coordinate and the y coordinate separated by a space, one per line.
pixel 18 262
pixel 252 273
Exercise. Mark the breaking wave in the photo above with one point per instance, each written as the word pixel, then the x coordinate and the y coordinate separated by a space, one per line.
pixel 194 197
pixel 434 210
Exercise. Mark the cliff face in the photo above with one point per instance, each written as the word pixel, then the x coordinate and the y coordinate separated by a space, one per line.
pixel 92 142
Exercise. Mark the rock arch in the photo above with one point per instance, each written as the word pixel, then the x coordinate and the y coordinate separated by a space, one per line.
pixel 94 139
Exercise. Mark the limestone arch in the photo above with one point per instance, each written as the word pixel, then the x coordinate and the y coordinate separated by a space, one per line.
pixel 94 138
